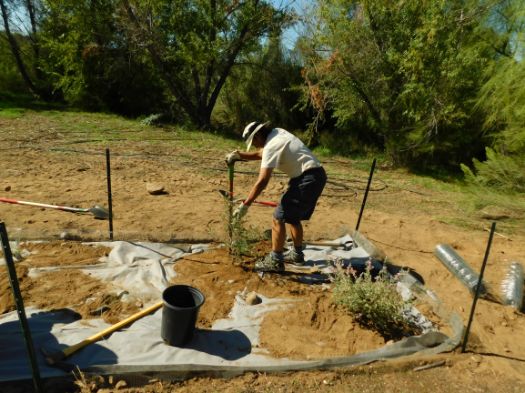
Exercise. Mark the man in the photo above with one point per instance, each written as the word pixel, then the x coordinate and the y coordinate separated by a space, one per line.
pixel 279 149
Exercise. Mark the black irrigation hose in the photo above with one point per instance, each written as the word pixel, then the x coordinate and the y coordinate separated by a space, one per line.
pixel 333 185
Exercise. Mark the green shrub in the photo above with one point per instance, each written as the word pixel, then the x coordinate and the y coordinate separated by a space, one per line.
pixel 372 300
pixel 499 171
pixel 240 237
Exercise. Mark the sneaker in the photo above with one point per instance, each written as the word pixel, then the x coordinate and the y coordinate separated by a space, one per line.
pixel 294 257
pixel 269 264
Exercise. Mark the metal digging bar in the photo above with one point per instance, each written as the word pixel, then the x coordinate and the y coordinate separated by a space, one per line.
pixel 19 302
pixel 98 211
pixel 226 194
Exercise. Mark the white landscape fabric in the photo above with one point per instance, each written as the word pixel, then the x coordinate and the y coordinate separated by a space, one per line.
pixel 143 270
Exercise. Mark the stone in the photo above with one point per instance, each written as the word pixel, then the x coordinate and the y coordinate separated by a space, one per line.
pixel 65 235
pixel 253 299
pixel 120 384
pixel 155 189
pixel 495 213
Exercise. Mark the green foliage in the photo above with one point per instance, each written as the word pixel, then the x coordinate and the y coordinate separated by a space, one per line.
pixel 10 79
pixel 240 237
pixel 500 171
pixel 91 61
pixel 374 301
pixel 263 90
pixel 502 99
pixel 193 45
pixel 402 75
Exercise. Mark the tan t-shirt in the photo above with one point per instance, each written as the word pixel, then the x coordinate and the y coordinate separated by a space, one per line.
pixel 285 152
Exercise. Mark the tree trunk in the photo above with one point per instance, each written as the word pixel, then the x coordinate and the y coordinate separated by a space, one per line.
pixel 15 50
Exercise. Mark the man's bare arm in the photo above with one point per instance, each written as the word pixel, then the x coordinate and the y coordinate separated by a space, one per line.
pixel 264 177
pixel 251 156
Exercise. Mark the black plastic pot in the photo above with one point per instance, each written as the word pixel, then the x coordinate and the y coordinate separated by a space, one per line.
pixel 179 313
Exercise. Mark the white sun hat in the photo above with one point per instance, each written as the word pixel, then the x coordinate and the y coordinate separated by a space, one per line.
pixel 250 130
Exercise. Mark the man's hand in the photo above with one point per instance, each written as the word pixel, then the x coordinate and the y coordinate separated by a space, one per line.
pixel 240 212
pixel 232 157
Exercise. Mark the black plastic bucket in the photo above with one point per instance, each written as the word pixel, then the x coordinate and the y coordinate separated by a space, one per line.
pixel 179 313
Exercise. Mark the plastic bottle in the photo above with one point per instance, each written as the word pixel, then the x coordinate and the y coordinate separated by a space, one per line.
pixel 457 266
pixel 512 286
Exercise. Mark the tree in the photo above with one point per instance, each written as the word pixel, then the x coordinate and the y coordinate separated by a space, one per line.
pixel 502 99
pixel 401 75
pixel 263 87
pixel 29 66
pixel 194 44
pixel 92 61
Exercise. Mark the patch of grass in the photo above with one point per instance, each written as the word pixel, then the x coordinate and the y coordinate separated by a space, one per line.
pixel 87 127
pixel 12 113
pixel 508 209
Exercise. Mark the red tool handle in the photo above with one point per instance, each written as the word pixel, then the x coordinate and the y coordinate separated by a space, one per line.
pixel 265 203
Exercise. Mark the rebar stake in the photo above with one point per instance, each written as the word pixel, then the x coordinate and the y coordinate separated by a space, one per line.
pixel 230 206
pixel 13 279
pixel 110 198
pixel 478 287
pixel 366 194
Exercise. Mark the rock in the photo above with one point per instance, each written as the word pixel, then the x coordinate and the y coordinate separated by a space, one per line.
pixel 495 213
pixel 7 188
pixel 253 299
pixel 155 189
pixel 69 236
pixel 121 384
pixel 476 359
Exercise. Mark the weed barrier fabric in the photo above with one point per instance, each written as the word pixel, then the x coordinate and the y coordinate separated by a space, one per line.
pixel 230 347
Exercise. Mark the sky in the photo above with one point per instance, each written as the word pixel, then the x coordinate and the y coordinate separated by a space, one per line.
pixel 299 6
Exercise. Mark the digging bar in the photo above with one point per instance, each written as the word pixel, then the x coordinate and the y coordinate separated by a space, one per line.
pixel 56 357
pixel 226 194
pixel 98 211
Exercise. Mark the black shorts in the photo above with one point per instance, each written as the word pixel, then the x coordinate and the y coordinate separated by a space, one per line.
pixel 299 200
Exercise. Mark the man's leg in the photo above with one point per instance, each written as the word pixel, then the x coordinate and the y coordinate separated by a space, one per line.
pixel 278 235
pixel 296 255
pixel 273 262
pixel 296 231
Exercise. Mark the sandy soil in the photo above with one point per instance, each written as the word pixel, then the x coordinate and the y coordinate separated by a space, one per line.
pixel 39 166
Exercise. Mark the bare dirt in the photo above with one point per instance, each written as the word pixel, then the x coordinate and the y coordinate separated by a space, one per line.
pixel 48 164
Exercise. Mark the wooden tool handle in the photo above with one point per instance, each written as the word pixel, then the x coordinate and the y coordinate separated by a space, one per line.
pixel 94 338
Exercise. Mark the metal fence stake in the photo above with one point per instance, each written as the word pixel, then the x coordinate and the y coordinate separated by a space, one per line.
pixel 110 198
pixel 478 288
pixel 19 302
pixel 366 194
